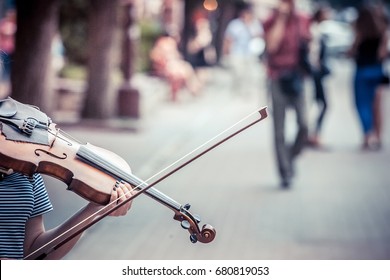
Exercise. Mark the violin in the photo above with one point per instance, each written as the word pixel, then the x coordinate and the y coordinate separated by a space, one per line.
pixel 31 143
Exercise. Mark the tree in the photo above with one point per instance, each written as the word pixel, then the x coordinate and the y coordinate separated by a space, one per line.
pixel 73 20
pixel 227 13
pixel 37 24
pixel 36 27
pixel 102 26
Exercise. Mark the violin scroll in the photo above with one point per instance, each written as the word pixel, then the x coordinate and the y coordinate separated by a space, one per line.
pixel 208 233
pixel 190 222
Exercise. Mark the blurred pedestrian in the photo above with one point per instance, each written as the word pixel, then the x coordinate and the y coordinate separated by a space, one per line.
pixel 369 51
pixel 201 52
pixel 238 38
pixel 168 63
pixel 319 70
pixel 7 46
pixel 385 81
pixel 287 34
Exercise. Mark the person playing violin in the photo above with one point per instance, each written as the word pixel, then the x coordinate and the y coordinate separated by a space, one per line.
pixel 24 201
pixel 31 143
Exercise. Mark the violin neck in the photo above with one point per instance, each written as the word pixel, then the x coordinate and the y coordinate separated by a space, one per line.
pixel 152 192
pixel 90 157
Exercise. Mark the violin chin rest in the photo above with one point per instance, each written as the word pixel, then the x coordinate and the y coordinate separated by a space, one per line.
pixel 8 108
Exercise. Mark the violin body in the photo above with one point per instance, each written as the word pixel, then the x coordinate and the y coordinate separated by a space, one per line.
pixel 59 159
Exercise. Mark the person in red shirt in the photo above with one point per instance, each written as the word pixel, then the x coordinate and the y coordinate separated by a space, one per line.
pixel 286 32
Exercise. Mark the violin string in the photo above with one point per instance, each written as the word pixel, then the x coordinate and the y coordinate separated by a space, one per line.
pixel 70 136
pixel 87 155
pixel 140 183
pixel 144 183
pixel 140 186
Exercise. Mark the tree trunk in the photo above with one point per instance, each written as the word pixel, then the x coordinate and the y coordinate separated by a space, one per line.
pixel 226 14
pixel 100 98
pixel 189 8
pixel 31 76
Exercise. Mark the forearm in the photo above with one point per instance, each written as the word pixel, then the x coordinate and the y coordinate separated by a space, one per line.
pixel 275 35
pixel 83 216
pixel 37 237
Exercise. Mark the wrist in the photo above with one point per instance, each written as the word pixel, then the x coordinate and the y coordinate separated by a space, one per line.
pixel 92 208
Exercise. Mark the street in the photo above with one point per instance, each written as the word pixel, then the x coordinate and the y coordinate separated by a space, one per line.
pixel 338 206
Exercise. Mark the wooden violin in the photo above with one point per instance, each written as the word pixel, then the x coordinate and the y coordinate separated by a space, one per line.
pixel 31 143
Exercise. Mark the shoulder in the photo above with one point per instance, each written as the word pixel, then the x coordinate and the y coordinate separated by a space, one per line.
pixel 19 181
pixel 14 179
pixel 233 24
pixel 304 22
pixel 303 18
pixel 38 184
pixel 37 179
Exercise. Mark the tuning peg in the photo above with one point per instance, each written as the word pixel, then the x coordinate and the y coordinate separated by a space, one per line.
pixel 185 224
pixel 197 218
pixel 193 238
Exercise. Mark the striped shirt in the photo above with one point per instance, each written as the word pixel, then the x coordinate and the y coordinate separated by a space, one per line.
pixel 21 198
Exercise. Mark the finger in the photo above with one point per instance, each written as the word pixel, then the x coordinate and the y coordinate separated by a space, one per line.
pixel 124 193
pixel 121 198
pixel 115 198
pixel 128 194
pixel 114 194
pixel 127 189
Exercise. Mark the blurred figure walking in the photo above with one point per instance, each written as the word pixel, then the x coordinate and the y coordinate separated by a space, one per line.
pixel 319 70
pixel 369 51
pixel 240 33
pixel 286 32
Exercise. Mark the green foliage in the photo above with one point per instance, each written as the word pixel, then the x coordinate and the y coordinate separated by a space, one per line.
pixel 74 72
pixel 73 29
pixel 150 30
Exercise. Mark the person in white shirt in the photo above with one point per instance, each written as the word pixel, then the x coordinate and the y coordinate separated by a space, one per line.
pixel 243 62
